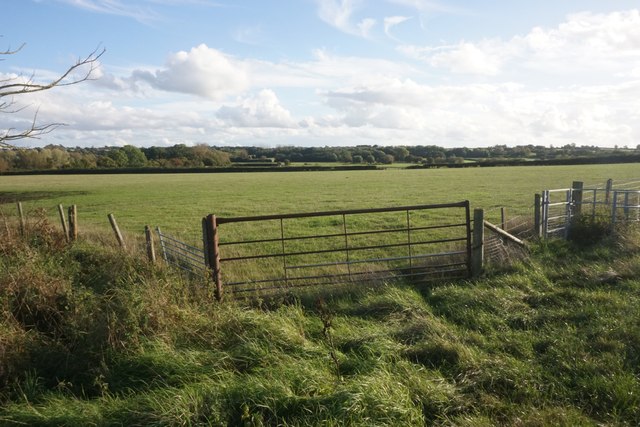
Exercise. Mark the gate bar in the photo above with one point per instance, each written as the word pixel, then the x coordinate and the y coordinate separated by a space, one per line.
pixel 346 212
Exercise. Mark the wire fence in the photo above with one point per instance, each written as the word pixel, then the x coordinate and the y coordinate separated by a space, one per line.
pixel 274 252
pixel 181 254
pixel 620 204
pixel 613 203
pixel 328 252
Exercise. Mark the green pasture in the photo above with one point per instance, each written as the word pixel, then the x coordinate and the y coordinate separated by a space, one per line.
pixel 177 202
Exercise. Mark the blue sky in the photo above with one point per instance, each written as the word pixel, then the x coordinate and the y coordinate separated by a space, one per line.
pixel 331 72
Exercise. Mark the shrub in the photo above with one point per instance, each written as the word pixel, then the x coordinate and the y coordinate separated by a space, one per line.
pixel 587 230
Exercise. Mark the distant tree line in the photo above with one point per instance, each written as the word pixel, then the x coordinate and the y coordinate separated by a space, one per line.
pixel 58 157
pixel 183 156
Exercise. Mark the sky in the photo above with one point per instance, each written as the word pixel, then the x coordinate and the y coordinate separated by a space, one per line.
pixel 272 73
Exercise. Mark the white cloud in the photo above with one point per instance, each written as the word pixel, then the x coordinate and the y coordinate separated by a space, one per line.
pixel 365 26
pixel 262 110
pixel 338 13
pixel 116 7
pixel 427 5
pixel 484 58
pixel 488 114
pixel 468 58
pixel 584 45
pixel 575 83
pixel 203 71
pixel 251 35
pixel 392 21
pixel 142 11
pixel 323 71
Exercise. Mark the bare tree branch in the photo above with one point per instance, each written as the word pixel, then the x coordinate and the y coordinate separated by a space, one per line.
pixel 10 51
pixel 16 86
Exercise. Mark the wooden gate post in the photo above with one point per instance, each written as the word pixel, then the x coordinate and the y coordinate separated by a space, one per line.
pixel 116 230
pixel 537 215
pixel 63 220
pixel 477 254
pixel 576 197
pixel 73 223
pixel 23 227
pixel 213 253
pixel 151 251
pixel 205 242
pixel 607 191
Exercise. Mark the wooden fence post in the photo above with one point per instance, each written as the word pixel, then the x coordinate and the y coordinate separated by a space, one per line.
pixel 213 253
pixel 63 220
pixel 7 230
pixel 537 215
pixel 116 230
pixel 477 254
pixel 73 223
pixel 576 197
pixel 206 243
pixel 21 218
pixel 607 191
pixel 503 218
pixel 162 246
pixel 151 251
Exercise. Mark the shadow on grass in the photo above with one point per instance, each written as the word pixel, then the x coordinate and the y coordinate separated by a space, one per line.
pixel 20 196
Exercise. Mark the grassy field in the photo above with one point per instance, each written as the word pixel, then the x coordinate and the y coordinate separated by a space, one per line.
pixel 91 335
pixel 177 202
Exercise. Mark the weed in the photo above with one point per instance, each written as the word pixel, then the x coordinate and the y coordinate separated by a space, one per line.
pixel 326 316
pixel 587 230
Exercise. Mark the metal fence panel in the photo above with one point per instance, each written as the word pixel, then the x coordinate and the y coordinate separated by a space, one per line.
pixel 421 243
pixel 181 254
pixel 561 205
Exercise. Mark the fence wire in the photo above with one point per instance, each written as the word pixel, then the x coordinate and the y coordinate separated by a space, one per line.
pixel 181 254
pixel 501 251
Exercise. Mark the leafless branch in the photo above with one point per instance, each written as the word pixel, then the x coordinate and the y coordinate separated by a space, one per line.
pixel 12 87
pixel 29 86
pixel 10 51
pixel 34 131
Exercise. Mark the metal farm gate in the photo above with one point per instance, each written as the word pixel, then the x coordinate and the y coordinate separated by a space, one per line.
pixel 274 252
pixel 560 206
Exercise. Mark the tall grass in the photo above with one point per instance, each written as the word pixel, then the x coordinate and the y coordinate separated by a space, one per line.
pixel 92 335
